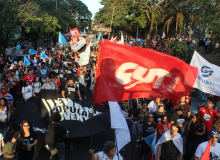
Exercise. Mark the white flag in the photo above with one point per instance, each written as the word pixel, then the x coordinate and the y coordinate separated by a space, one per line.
pixel 84 57
pixel 120 125
pixel 208 75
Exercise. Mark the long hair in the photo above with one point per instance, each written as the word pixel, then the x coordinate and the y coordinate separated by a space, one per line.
pixel 198 120
pixel 34 80
pixel 30 127
pixel 25 83
pixel 6 102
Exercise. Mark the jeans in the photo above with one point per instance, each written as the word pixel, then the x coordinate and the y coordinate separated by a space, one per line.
pixel 59 151
pixel 3 129
pixel 25 158
pixel 191 148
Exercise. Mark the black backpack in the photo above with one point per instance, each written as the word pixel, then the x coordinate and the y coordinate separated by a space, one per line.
pixel 136 131
pixel 50 137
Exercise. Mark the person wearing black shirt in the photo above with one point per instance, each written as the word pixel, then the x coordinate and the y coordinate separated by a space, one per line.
pixel 126 110
pixel 26 139
pixel 148 128
pixel 60 133
pixel 195 129
pixel 180 119
pixel 70 90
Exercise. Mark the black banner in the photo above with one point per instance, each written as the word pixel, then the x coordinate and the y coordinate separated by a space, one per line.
pixel 75 114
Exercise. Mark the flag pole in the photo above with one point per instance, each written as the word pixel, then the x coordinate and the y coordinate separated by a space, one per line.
pixel 91 126
pixel 116 145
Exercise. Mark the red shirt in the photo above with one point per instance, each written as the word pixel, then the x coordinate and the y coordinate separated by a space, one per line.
pixel 207 117
pixel 165 49
pixel 30 78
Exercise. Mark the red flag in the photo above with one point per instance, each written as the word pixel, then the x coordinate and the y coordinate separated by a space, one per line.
pixel 152 156
pixel 125 72
pixel 206 154
pixel 74 31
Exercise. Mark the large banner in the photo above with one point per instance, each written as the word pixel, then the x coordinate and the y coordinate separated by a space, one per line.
pixel 76 116
pixel 208 76
pixel 125 72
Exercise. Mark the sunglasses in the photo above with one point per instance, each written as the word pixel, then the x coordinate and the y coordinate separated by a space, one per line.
pixel 26 125
pixel 150 117
pixel 144 105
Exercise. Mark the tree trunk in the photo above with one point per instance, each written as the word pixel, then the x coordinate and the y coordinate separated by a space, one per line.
pixel 190 29
pixel 149 34
pixel 176 24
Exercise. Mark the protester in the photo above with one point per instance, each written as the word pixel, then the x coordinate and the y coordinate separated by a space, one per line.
pixel 180 119
pixel 214 148
pixel 136 132
pixel 70 90
pixel 195 129
pixel 43 71
pixel 56 81
pixel 149 127
pixel 162 127
pixel 216 128
pixel 153 105
pixel 207 115
pixel 29 76
pixel 181 103
pixel 8 151
pixel 159 114
pixel 55 137
pixel 26 139
pixel 8 51
pixel 126 110
pixel 170 145
pixel 4 116
pixel 48 85
pixel 36 86
pixel 27 91
pixel 2 63
pixel 18 49
pixel 109 152
pixel 9 98
pixel 143 110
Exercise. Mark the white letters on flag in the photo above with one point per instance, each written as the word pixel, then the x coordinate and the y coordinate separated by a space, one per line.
pixel 208 75
pixel 84 57
pixel 120 125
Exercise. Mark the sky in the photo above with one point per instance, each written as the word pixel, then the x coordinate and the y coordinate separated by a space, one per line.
pixel 93 6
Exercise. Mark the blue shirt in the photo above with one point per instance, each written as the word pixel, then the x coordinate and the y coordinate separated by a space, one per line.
pixel 33 62
pixel 18 47
pixel 43 72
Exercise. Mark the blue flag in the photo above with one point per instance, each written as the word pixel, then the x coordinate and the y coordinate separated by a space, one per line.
pixel 150 139
pixel 43 55
pixel 32 51
pixel 99 37
pixel 26 62
pixel 62 39
pixel 95 42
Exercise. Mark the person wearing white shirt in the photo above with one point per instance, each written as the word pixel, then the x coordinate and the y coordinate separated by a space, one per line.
pixel 108 153
pixel 47 85
pixel 153 105
pixel 214 148
pixel 27 91
pixel 8 52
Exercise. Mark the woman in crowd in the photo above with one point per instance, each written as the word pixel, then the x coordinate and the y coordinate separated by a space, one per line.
pixel 159 114
pixel 195 129
pixel 216 127
pixel 4 116
pixel 36 85
pixel 162 126
pixel 143 110
pixel 26 139
pixel 109 152
pixel 48 85
pixel 148 129
pixel 27 91
pixel 153 105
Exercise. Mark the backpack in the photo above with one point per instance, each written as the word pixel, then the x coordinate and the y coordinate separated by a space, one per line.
pixel 136 131
pixel 63 84
pixel 55 83
pixel 81 89
pixel 50 137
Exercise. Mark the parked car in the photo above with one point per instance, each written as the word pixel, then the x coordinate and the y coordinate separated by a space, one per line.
pixel 20 57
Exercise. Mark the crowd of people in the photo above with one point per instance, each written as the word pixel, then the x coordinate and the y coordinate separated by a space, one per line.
pixel 61 72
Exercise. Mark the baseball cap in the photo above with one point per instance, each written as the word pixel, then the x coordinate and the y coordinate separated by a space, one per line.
pixel 8 149
pixel 213 133
pixel 3 87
